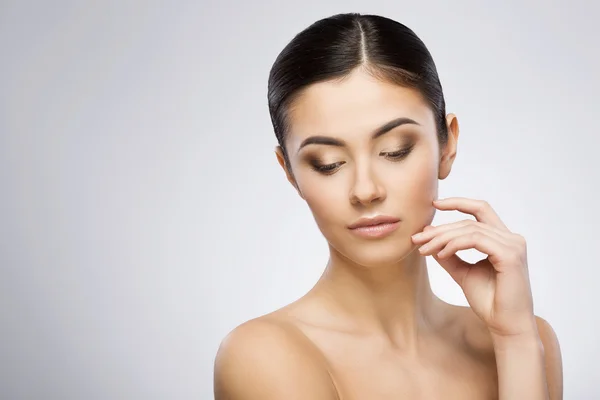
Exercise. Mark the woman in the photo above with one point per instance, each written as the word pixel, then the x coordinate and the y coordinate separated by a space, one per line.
pixel 363 134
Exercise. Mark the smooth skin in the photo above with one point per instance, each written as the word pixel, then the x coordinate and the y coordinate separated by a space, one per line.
pixel 371 327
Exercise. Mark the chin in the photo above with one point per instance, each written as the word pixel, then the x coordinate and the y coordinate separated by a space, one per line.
pixel 377 253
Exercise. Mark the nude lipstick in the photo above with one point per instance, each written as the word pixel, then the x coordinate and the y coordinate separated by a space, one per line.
pixel 375 227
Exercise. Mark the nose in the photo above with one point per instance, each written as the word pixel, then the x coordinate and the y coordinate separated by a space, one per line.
pixel 366 188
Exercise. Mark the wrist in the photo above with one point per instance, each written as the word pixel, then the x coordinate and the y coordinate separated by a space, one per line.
pixel 520 362
pixel 523 332
pixel 522 342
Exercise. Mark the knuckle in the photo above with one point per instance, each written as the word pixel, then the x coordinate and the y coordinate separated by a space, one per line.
pixel 520 239
pixel 483 205
pixel 476 235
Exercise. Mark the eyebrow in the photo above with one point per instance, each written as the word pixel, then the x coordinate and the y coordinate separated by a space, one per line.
pixel 385 128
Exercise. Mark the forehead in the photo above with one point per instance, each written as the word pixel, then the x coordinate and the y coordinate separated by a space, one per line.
pixel 353 107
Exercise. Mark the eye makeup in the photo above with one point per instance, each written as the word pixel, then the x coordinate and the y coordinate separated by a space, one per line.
pixel 324 168
pixel 319 165
pixel 398 155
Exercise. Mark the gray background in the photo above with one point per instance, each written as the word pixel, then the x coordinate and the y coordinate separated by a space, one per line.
pixel 143 214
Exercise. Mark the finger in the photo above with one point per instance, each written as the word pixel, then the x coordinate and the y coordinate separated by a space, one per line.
pixel 455 266
pixel 480 209
pixel 439 242
pixel 429 232
pixel 478 241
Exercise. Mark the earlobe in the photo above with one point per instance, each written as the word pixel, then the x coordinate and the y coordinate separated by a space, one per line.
pixel 286 169
pixel 448 153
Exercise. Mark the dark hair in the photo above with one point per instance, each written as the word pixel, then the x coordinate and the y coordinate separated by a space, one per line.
pixel 331 48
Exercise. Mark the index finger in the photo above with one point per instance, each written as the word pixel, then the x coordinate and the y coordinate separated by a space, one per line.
pixel 480 209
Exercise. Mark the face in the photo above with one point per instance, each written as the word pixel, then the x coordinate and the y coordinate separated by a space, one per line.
pixel 363 151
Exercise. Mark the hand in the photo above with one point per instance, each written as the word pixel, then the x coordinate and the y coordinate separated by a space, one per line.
pixel 497 287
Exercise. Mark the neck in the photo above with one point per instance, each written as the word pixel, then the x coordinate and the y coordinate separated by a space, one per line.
pixel 395 301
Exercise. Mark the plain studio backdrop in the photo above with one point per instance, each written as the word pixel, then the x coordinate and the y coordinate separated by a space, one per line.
pixel 143 213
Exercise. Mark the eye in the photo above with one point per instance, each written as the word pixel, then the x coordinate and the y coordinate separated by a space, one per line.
pixel 327 169
pixel 397 155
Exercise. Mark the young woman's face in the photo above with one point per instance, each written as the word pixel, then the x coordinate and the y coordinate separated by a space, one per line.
pixel 364 148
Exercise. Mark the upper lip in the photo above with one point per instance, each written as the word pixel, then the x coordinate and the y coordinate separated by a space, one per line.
pixel 371 221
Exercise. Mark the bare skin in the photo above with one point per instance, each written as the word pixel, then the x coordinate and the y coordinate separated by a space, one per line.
pixel 371 327
pixel 450 357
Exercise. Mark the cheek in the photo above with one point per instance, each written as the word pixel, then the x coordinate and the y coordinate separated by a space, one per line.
pixel 413 190
pixel 422 184
pixel 420 189
pixel 322 195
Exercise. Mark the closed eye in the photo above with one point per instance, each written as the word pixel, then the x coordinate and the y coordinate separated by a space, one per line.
pixel 327 169
pixel 397 155
pixel 330 169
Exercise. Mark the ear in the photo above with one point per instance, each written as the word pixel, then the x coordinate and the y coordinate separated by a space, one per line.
pixel 286 169
pixel 448 153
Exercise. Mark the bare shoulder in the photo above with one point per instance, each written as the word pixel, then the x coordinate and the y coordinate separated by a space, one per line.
pixel 553 358
pixel 478 338
pixel 268 358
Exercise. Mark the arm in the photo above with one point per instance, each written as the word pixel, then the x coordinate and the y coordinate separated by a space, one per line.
pixel 498 291
pixel 530 366
pixel 264 361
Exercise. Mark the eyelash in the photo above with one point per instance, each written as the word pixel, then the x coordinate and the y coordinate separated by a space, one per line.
pixel 394 156
pixel 399 154
pixel 327 169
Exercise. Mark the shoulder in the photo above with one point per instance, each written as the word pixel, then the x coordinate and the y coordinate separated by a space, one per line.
pixel 476 335
pixel 479 339
pixel 552 357
pixel 266 358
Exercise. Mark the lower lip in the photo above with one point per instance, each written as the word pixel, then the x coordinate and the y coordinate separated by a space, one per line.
pixel 376 231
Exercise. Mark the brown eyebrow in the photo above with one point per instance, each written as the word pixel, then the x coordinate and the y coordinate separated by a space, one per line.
pixel 385 128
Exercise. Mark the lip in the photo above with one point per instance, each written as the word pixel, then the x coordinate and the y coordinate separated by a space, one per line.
pixel 375 227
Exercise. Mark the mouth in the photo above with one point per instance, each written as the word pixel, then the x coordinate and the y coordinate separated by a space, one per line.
pixel 375 227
